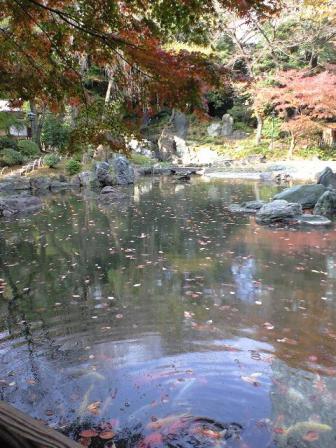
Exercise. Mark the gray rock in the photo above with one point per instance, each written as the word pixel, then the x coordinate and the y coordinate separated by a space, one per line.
pixel 19 204
pixel 58 185
pixel 123 171
pixel 326 205
pixel 84 178
pixel 310 220
pixel 246 207
pixel 15 183
pixel 103 175
pixel 107 190
pixel 327 178
pixel 306 195
pixel 181 124
pixel 40 183
pixel 227 125
pixel 214 129
pixel 278 210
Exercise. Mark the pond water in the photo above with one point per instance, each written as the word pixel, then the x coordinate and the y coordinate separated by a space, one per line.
pixel 170 322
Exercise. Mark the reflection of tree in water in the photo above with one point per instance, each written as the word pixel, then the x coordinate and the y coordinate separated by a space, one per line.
pixel 244 271
pixel 303 407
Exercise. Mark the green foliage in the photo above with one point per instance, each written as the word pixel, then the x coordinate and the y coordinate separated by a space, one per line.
pixel 272 127
pixel 140 159
pixel 28 148
pixel 51 160
pixel 73 166
pixel 8 142
pixel 10 157
pixel 8 119
pixel 242 126
pixel 55 132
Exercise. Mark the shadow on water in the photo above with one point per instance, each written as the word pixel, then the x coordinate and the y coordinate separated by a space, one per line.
pixel 166 321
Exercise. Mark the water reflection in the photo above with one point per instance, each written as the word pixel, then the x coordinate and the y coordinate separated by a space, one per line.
pixel 167 305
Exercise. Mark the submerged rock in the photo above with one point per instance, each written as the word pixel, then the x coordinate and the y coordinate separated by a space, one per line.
pixel 277 211
pixel 18 204
pixel 246 207
pixel 326 205
pixel 327 178
pixel 311 220
pixel 306 195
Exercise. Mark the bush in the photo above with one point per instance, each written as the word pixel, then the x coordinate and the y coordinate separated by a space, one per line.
pixel 140 159
pixel 73 166
pixel 28 148
pixel 51 160
pixel 55 132
pixel 8 142
pixel 10 157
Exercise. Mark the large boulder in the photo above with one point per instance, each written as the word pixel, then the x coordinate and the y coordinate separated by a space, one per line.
pixel 227 125
pixel 327 178
pixel 246 207
pixel 123 171
pixel 177 127
pixel 277 211
pixel 19 204
pixel 215 129
pixel 103 176
pixel 306 195
pixel 15 183
pixel 40 183
pixel 326 205
pixel 117 171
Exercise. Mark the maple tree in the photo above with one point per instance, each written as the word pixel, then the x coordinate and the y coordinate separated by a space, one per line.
pixel 303 99
pixel 48 46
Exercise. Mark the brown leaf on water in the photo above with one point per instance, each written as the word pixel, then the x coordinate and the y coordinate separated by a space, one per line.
pixel 94 407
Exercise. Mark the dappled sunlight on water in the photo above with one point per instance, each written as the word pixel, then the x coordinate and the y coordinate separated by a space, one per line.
pixel 166 321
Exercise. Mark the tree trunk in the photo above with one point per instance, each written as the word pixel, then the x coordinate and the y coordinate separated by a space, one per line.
pixel 108 91
pixel 259 129
pixel 37 121
pixel 291 146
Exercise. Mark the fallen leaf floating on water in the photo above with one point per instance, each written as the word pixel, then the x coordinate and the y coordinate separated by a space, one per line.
pixel 94 407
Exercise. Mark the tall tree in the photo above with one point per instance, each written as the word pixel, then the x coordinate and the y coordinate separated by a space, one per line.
pixel 44 43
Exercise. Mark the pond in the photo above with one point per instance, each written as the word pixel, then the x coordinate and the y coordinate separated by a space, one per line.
pixel 163 320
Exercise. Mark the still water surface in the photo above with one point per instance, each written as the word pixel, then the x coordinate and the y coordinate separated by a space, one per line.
pixel 170 322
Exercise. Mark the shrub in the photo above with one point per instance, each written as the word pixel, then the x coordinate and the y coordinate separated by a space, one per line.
pixel 55 132
pixel 140 159
pixel 8 142
pixel 51 160
pixel 73 166
pixel 28 148
pixel 10 157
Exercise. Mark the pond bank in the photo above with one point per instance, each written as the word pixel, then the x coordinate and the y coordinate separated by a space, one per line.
pixel 298 170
